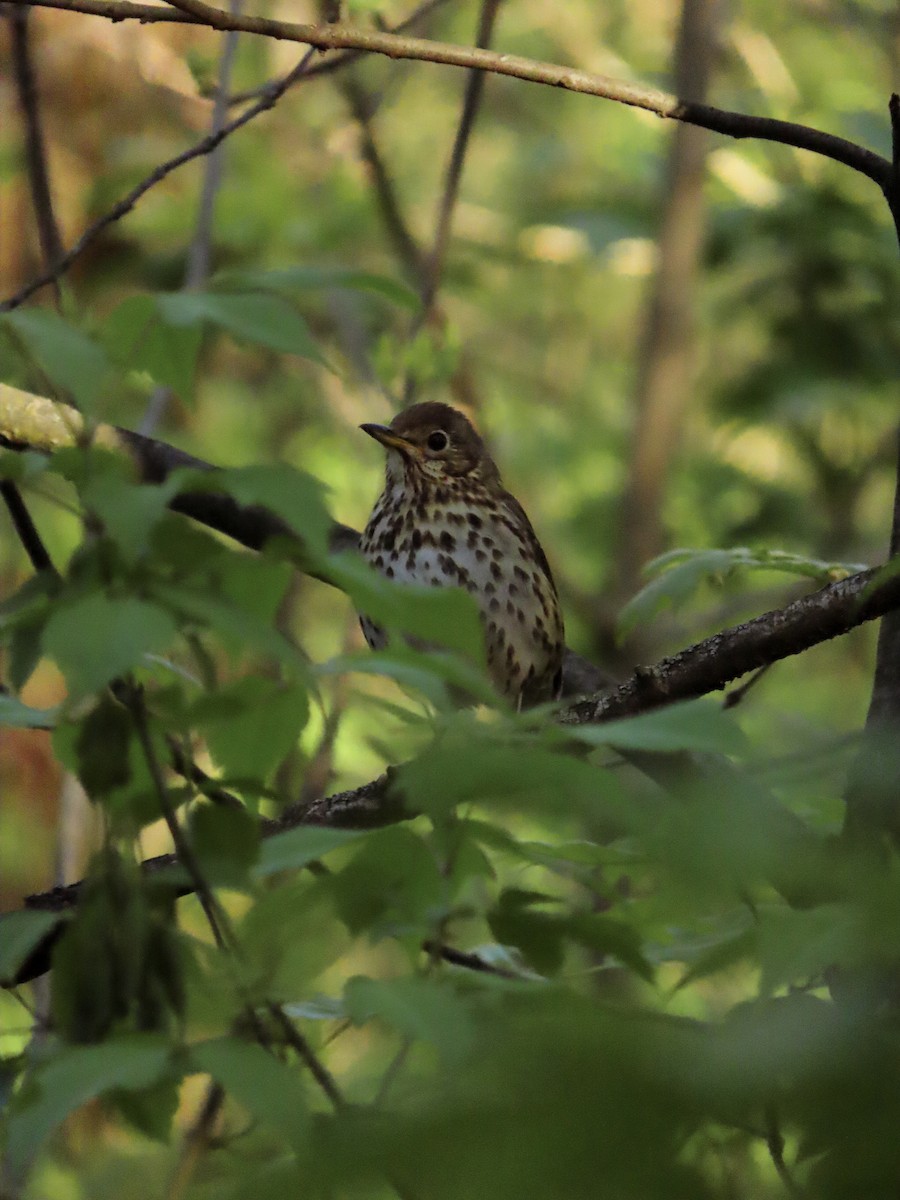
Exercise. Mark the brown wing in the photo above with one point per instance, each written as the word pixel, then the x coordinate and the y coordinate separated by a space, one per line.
pixel 511 503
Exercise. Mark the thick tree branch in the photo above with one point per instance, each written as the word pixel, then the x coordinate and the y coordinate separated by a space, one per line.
pixel 35 422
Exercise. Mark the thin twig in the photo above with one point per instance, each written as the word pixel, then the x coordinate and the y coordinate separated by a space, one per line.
pixel 26 528
pixel 35 148
pixel 199 251
pixel 218 924
pixel 736 695
pixel 196 1141
pixel 405 245
pixel 432 269
pixel 344 58
pixel 775 1144
pixel 205 146
pixel 465 958
pixel 472 96
pixel 298 1042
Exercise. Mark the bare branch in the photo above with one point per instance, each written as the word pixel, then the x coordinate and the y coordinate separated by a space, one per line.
pixel 200 248
pixel 344 58
pixel 345 37
pixel 471 103
pixel 35 149
pixel 709 665
pixel 401 237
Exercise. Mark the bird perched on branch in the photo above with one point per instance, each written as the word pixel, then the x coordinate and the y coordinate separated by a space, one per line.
pixel 444 519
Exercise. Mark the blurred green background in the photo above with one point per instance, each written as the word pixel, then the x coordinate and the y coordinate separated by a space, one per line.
pixel 782 375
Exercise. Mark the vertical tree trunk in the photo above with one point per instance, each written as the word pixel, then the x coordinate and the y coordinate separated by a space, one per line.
pixel 666 367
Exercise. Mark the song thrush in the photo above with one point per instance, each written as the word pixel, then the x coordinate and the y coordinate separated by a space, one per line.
pixel 444 519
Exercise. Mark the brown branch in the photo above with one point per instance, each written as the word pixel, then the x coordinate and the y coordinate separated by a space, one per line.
pixel 709 665
pixel 343 58
pixel 344 37
pixel 35 148
pixel 400 235
pixel 471 103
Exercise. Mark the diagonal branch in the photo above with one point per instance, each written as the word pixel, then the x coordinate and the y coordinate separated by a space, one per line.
pixel 345 37
pixel 35 422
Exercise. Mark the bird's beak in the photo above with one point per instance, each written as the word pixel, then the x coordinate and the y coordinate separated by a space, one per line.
pixel 387 437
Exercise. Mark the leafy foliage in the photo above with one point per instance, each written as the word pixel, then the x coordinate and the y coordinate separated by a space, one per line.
pixel 553 979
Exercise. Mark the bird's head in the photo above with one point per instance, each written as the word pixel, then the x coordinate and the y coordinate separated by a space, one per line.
pixel 436 442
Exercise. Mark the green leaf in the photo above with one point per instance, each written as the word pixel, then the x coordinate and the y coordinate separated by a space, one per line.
pixel 796 946
pixel 71 1078
pixel 140 340
pixel 129 511
pixel 435 616
pixel 721 956
pixel 294 279
pixel 226 842
pixel 676 576
pixel 252 725
pixel 102 748
pixel 297 847
pixel 96 639
pixel 16 715
pixel 20 933
pixel 462 770
pixel 70 359
pixel 425 1009
pixel 253 317
pixel 391 886
pixel 441 677
pixel 699 725
pixel 296 497
pixel 270 1091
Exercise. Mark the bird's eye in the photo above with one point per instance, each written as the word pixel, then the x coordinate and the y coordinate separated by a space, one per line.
pixel 437 440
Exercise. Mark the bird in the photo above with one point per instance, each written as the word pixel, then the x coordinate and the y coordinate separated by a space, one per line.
pixel 444 519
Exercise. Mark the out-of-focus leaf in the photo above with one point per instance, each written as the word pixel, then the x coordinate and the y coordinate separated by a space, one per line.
pixel 298 279
pixel 139 340
pixel 699 725
pixel 72 1077
pixel 265 320
pixel 73 361
pixel 435 616
pixel 20 933
pixel 252 724
pixel 226 842
pixel 292 495
pixel 270 1091
pixel 676 576
pixel 425 1009
pixel 721 956
pixel 99 637
pixel 461 770
pixel 297 847
pixel 391 887
pixel 102 747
